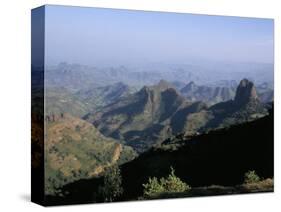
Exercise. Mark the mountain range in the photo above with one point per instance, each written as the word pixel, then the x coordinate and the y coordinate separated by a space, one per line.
pixel 79 103
pixel 138 122
pixel 200 130
pixel 96 98
pixel 208 94
pixel 156 112
pixel 220 92
pixel 76 76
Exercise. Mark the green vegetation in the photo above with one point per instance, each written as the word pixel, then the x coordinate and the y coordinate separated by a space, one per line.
pixel 251 177
pixel 79 103
pixel 111 188
pixel 142 119
pixel 170 184
pixel 153 187
pixel 157 112
pixel 60 100
pixel 76 150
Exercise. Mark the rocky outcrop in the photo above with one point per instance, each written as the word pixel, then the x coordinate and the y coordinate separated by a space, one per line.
pixel 245 93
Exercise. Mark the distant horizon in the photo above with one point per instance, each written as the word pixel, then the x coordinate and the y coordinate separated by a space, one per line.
pixel 156 62
pixel 99 36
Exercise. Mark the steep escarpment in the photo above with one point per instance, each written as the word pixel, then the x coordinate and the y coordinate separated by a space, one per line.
pixel 143 118
pixel 157 112
pixel 220 157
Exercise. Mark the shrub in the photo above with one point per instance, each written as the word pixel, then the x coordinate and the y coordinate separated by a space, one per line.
pixel 174 184
pixel 111 188
pixel 251 177
pixel 153 187
pixel 170 184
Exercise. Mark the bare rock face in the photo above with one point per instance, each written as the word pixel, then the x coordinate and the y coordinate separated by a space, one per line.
pixel 246 92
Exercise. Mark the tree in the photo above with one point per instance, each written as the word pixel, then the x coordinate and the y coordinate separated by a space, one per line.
pixel 112 185
pixel 170 184
pixel 251 177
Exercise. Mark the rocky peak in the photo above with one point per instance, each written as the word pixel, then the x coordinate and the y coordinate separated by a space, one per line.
pixel 156 89
pixel 246 92
pixel 163 85
pixel 191 86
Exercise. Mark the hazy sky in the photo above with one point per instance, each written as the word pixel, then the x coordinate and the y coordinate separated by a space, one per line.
pixel 105 36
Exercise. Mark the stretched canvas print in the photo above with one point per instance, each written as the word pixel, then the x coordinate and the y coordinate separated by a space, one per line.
pixel 134 105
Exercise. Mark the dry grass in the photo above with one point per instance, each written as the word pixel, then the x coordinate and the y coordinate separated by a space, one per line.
pixel 75 149
pixel 263 185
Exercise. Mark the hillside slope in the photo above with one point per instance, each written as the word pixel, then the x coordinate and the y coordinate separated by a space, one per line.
pixel 220 157
pixel 75 150
pixel 212 164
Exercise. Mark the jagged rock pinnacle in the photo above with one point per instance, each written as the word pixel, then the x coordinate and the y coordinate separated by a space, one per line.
pixel 245 92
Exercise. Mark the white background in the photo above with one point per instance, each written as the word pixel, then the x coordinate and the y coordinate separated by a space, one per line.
pixel 15 104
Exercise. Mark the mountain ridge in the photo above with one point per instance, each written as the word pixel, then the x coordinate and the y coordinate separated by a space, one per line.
pixel 156 112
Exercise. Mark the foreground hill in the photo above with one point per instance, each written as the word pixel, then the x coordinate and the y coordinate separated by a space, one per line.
pixel 220 157
pixel 75 150
pixel 213 163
